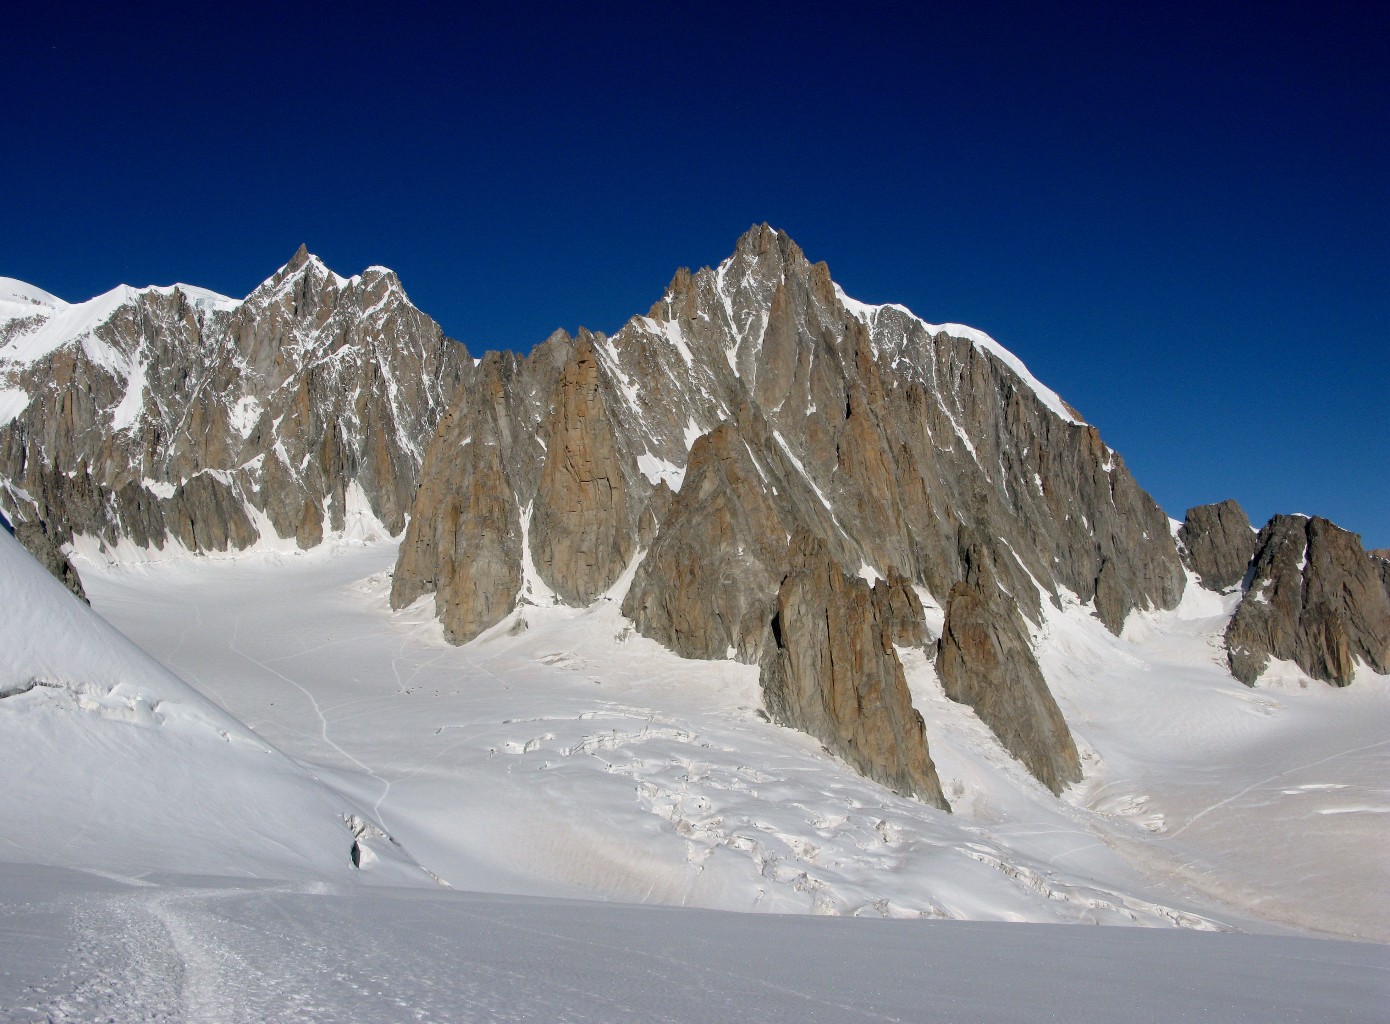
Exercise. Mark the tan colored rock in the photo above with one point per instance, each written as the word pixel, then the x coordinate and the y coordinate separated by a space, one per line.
pixel 831 671
pixel 205 514
pixel 583 533
pixel 707 586
pixel 1315 598
pixel 463 543
pixel 899 610
pixel 1218 543
pixel 987 662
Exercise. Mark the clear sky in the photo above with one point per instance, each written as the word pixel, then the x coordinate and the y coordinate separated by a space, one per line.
pixel 1177 215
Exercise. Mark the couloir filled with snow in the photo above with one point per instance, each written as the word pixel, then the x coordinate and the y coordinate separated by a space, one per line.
pixel 183 827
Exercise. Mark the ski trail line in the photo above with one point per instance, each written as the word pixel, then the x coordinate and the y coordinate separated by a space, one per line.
pixel 323 722
pixel 1277 775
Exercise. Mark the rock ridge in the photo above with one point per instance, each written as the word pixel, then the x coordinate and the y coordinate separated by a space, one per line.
pixel 830 670
pixel 171 414
pixel 1313 597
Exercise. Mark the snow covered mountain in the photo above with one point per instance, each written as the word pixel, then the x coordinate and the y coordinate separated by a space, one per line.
pixel 175 414
pixel 761 499
pixel 789 478
pixel 798 480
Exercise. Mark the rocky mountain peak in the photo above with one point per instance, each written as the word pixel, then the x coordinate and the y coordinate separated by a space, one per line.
pixel 177 413
pixel 754 401
pixel 750 454
pixel 1218 543
pixel 1312 596
pixel 763 240
pixel 301 258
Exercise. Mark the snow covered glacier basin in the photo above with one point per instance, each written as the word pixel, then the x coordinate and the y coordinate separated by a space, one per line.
pixel 573 758
pixel 571 761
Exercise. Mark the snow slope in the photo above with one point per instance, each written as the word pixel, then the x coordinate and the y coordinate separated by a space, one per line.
pixel 161 861
pixel 78 948
pixel 570 757
pixel 114 764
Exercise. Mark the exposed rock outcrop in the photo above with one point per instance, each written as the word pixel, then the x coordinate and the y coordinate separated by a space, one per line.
pixel 37 541
pixel 987 662
pixel 899 610
pixel 174 413
pixel 830 670
pixel 464 542
pixel 1315 598
pixel 755 401
pixel 531 463
pixel 1217 543
pixel 584 528
pixel 707 586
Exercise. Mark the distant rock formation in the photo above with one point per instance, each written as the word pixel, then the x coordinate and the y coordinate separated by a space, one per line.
pixel 1218 543
pixel 173 413
pixel 708 585
pixel 877 432
pixel 754 402
pixel 1316 598
pixel 776 467
pixel 583 528
pixel 35 538
pixel 830 670
pixel 986 661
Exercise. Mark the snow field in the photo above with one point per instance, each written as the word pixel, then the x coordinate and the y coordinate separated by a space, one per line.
pixel 570 757
pixel 82 948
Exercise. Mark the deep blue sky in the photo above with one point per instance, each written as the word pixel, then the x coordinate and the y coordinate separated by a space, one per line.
pixel 1178 217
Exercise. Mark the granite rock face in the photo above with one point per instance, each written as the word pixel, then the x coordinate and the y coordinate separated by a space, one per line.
pixel 1316 598
pixel 987 662
pixel 532 466
pixel 830 670
pixel 1217 543
pixel 756 401
pixel 706 588
pixel 584 528
pixel 162 414
pixel 466 538
pixel 34 536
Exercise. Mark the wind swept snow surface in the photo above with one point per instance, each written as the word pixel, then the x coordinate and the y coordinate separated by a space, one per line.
pixel 80 948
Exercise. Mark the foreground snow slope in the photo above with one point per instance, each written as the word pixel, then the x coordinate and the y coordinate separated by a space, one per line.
pixel 572 758
pixel 80 948
pixel 113 763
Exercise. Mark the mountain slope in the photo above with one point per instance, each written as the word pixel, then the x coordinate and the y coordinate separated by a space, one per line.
pixel 114 764
pixel 771 402
pixel 693 460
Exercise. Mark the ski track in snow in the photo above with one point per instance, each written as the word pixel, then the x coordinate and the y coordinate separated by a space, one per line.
pixel 313 701
pixel 1266 781
pixel 182 955
pixel 215 955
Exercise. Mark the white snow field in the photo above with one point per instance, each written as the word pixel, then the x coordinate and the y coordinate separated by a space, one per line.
pixel 85 948
pixel 159 861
